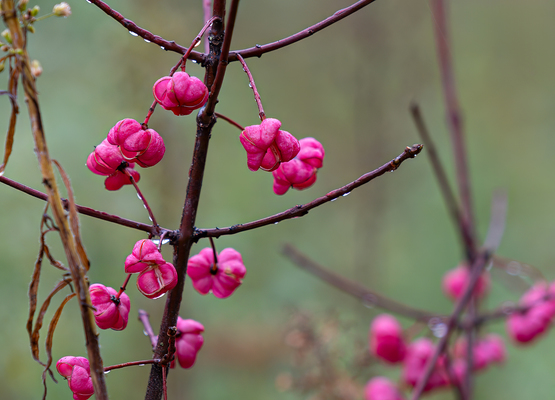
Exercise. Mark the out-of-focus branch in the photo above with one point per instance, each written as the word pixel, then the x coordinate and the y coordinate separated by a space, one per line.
pixel 355 289
pixel 301 210
pixel 258 50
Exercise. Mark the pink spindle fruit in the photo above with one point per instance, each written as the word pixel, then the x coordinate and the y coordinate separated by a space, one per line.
pixel 156 276
pixel 119 178
pixel 414 364
pixel 111 312
pixel 188 341
pixel 300 173
pixel 78 374
pixel 180 93
pixel 455 282
pixel 386 340
pixel 380 388
pixel 105 159
pixel 267 146
pixel 222 278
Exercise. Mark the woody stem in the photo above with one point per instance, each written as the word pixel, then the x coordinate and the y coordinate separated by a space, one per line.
pixel 261 113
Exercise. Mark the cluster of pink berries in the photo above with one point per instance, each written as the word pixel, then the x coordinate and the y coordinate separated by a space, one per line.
pixel 388 344
pixel 294 163
pixel 536 318
pixel 127 143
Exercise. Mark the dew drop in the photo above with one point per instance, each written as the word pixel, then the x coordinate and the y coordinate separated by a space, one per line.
pixel 334 199
pixel 141 365
pixel 146 40
pixel 194 61
pixel 438 328
pixel 275 223
pixel 514 268
pixel 106 372
pixel 149 218
pixel 369 300
pixel 346 194
pixel 140 198
pixel 133 33
pixel 145 333
pixel 162 47
pixel 250 85
pixel 89 1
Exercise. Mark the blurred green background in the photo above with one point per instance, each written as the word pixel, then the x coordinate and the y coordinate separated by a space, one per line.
pixel 349 86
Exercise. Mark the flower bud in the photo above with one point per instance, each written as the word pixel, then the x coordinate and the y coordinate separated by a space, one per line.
pixel 2 66
pixel 36 68
pixel 34 11
pixel 22 5
pixel 7 35
pixel 111 312
pixel 62 10
pixel 386 340
pixel 223 278
pixel 180 93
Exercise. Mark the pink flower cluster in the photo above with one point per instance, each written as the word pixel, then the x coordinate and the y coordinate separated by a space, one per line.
pixel 539 304
pixel 127 143
pixel 222 278
pixel 387 343
pixel 112 312
pixel 156 276
pixel 78 374
pixel 300 172
pixel 180 93
pixel 455 282
pixel 188 342
pixel 267 146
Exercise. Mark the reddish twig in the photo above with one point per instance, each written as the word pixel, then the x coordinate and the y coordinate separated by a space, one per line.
pixel 301 210
pixel 252 85
pixel 138 31
pixel 197 40
pixel 130 364
pixel 229 120
pixel 144 318
pixel 141 196
pixel 215 254
pixel 124 286
pixel 153 230
pixel 258 50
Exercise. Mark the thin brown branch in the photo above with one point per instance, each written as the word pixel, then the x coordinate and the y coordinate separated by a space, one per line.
pixel 78 270
pixel 252 85
pixel 153 230
pixel 138 31
pixel 229 120
pixel 355 289
pixel 301 210
pixel 258 50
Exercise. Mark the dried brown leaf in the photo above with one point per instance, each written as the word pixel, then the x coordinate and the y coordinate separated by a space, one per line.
pixel 73 217
pixel 12 93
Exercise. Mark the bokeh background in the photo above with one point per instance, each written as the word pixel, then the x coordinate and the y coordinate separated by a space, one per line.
pixel 350 87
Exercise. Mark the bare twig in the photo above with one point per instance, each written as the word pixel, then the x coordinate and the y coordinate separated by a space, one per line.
pixel 258 50
pixel 301 210
pixel 153 230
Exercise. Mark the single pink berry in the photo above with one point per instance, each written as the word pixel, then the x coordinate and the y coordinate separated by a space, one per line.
pixel 386 340
pixel 180 93
pixel 455 282
pixel 156 276
pixel 380 388
pixel 78 374
pixel 119 178
pixel 414 364
pixel 188 341
pixel 111 312
pixel 267 146
pixel 105 159
pixel 300 173
pixel 143 146
pixel 222 278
